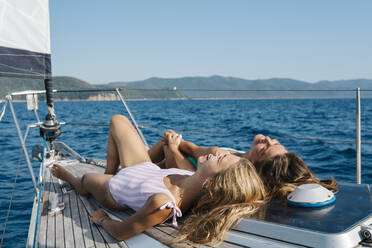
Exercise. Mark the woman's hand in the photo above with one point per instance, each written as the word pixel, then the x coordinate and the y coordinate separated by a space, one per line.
pixel 99 217
pixel 172 138
pixel 164 139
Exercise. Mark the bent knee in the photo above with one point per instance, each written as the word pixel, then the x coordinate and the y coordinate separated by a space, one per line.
pixel 87 180
pixel 83 178
pixel 118 119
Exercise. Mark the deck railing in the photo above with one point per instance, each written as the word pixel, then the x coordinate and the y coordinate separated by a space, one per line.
pixel 33 106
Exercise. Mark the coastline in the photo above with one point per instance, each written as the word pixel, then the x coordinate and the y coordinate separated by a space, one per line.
pixel 197 99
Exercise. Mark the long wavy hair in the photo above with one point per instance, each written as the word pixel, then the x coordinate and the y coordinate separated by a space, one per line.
pixel 230 195
pixel 283 173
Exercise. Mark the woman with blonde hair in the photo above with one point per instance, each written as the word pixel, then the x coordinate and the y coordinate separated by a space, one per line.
pixel 231 195
pixel 224 188
pixel 280 170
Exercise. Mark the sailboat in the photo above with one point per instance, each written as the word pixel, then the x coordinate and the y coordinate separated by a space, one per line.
pixel 60 217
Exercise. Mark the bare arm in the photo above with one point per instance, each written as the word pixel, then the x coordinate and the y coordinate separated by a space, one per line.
pixel 149 215
pixel 197 151
pixel 173 157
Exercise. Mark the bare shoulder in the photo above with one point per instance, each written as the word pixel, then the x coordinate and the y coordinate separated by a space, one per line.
pixel 155 202
pixel 158 200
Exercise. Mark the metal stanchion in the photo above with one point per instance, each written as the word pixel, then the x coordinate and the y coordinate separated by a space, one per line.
pixel 358 139
pixel 22 143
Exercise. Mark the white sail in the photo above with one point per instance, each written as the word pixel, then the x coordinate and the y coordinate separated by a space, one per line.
pixel 25 38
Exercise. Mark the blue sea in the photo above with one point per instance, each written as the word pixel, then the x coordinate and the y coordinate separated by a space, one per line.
pixel 204 122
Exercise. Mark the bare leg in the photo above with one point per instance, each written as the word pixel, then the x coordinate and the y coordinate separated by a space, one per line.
pixel 161 164
pixel 113 160
pixel 76 182
pixel 90 183
pixel 156 152
pixel 124 145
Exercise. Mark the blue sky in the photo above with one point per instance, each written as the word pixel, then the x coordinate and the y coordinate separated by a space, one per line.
pixel 117 40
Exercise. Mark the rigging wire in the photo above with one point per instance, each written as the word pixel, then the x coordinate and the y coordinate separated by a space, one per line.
pixel 11 201
pixel 247 90
pixel 252 135
pixel 40 192
pixel 86 124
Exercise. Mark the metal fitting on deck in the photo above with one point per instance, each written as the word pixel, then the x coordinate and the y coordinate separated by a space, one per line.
pixel 50 128
pixel 366 235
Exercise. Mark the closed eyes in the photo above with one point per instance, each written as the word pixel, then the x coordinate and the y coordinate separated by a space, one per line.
pixel 264 149
pixel 220 158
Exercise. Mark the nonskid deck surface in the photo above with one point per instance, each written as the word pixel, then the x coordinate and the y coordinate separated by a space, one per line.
pixel 71 226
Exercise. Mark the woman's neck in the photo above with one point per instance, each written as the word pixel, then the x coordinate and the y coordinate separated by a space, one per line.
pixel 191 189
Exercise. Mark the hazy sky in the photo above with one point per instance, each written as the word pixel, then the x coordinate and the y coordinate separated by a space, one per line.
pixel 101 41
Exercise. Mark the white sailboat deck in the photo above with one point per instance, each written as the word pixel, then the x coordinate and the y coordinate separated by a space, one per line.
pixel 63 220
pixel 71 226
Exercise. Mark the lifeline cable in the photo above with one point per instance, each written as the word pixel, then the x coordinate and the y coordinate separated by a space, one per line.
pixel 40 192
pixel 252 135
pixel 11 201
pixel 223 133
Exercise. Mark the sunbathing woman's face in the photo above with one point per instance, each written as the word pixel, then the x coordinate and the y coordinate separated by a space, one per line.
pixel 209 165
pixel 263 147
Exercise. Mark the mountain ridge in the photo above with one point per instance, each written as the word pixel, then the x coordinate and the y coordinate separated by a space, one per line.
pixel 215 82
pixel 264 83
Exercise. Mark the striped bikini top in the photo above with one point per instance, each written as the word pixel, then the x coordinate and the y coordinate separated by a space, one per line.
pixel 132 186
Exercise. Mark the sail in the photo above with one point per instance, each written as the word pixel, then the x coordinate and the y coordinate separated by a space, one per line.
pixel 25 38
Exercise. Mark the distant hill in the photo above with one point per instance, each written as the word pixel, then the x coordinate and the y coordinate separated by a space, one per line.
pixel 231 83
pixel 62 82
pixel 193 87
pixel 21 84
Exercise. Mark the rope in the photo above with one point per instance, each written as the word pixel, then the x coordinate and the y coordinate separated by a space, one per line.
pixel 11 201
pixel 40 193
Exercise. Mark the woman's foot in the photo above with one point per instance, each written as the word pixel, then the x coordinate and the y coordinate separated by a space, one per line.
pixel 59 172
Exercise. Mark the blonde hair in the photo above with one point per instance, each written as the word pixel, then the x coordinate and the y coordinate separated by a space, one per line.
pixel 230 195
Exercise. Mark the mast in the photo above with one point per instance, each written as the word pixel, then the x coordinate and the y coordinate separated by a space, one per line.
pixel 50 129
pixel 25 53
pixel 25 50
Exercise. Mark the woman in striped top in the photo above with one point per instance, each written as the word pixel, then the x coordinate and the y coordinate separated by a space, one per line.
pixel 223 189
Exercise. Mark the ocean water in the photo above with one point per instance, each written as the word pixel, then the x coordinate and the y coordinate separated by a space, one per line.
pixel 204 122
